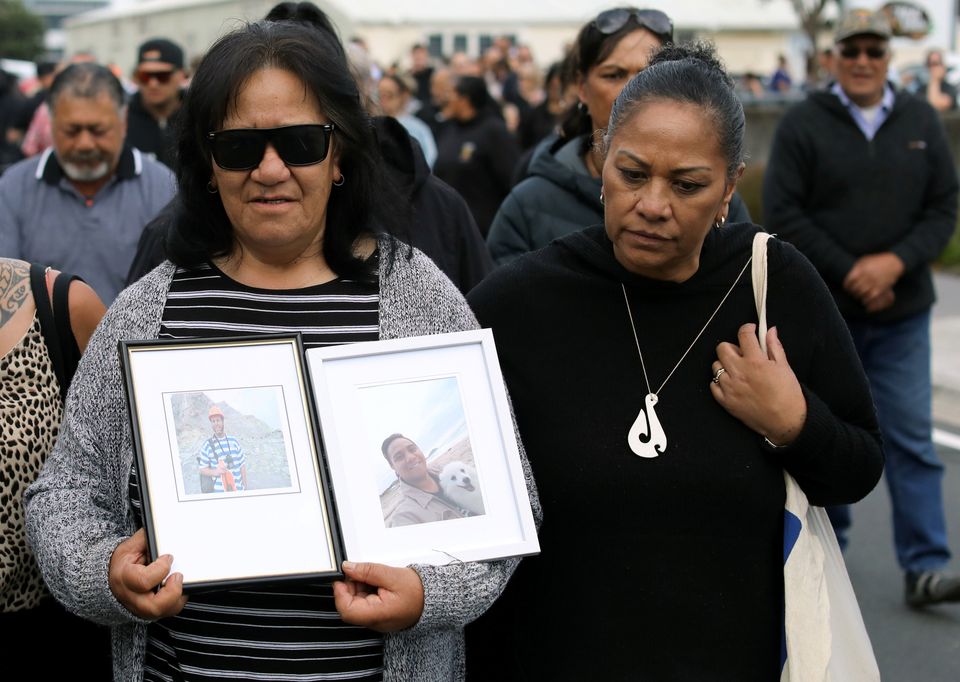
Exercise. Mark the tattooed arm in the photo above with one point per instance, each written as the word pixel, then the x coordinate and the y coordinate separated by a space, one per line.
pixel 14 288
pixel 17 306
pixel 16 302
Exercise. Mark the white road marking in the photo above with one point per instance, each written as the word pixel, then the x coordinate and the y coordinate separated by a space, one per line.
pixel 947 439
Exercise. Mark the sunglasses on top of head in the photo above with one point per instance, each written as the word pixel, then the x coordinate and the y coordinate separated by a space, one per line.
pixel 873 51
pixel 162 77
pixel 655 21
pixel 242 149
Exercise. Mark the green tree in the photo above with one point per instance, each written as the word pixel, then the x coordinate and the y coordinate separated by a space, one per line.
pixel 21 32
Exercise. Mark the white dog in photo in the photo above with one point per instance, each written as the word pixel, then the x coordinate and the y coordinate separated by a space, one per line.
pixel 459 483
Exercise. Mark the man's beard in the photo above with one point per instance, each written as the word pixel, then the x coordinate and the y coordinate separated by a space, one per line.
pixel 85 166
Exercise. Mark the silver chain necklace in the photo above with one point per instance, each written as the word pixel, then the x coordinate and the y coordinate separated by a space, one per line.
pixel 646 437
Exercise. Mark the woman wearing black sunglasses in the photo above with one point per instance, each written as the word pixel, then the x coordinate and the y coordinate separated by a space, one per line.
pixel 283 227
pixel 561 192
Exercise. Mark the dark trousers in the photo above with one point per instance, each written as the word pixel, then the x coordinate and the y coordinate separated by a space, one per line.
pixel 53 644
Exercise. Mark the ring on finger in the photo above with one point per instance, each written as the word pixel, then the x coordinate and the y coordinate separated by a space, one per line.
pixel 716 377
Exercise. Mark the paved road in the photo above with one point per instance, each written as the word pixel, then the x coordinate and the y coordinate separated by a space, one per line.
pixel 948 293
pixel 915 646
pixel 945 331
pixel 911 646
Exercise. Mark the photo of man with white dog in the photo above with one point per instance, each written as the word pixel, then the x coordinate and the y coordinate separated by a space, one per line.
pixel 425 494
pixel 424 466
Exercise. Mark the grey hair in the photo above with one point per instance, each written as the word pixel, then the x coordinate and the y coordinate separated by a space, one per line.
pixel 86 80
pixel 692 74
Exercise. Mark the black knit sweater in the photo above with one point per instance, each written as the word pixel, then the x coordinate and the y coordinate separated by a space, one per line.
pixel 667 568
pixel 838 196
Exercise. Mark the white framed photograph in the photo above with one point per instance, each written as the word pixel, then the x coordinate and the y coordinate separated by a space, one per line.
pixel 230 474
pixel 421 449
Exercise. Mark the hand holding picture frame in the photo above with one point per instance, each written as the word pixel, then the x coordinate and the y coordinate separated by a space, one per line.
pixel 251 469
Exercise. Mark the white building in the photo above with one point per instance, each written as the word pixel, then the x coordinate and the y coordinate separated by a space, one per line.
pixel 53 13
pixel 749 33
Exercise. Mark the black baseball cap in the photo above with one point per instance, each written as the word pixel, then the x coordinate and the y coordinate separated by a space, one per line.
pixel 160 50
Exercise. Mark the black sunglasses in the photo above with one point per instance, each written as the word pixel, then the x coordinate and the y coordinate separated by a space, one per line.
pixel 873 52
pixel 162 77
pixel 612 20
pixel 242 149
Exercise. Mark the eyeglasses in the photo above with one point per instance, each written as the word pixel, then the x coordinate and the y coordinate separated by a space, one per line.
pixel 162 77
pixel 853 52
pixel 242 149
pixel 612 20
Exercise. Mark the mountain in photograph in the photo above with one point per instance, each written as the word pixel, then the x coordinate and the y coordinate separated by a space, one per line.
pixel 263 446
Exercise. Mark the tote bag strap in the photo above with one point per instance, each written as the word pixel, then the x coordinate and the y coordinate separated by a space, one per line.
pixel 758 272
pixel 69 349
pixel 55 323
pixel 48 327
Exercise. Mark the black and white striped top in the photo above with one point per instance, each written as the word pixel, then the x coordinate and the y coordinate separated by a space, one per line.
pixel 288 632
pixel 204 303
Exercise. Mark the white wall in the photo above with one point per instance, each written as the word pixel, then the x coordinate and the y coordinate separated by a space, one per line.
pixel 114 39
pixel 390 43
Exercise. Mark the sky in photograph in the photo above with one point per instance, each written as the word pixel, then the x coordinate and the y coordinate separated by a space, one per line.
pixel 429 412
pixel 264 403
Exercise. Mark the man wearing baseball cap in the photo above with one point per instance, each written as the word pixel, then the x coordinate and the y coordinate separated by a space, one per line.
pixel 153 109
pixel 860 179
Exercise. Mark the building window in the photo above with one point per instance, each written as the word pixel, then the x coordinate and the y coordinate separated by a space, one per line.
pixel 459 43
pixel 435 45
pixel 486 41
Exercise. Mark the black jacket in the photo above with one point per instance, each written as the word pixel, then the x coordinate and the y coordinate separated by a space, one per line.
pixel 477 159
pixel 689 544
pixel 442 225
pixel 146 134
pixel 558 197
pixel 838 196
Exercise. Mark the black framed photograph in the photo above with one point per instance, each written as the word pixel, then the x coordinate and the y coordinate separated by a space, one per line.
pixel 226 446
pixel 421 449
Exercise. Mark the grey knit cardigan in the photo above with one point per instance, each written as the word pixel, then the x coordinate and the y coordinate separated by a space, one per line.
pixel 78 510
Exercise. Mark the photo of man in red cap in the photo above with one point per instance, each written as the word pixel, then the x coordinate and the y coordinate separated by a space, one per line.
pixel 223 467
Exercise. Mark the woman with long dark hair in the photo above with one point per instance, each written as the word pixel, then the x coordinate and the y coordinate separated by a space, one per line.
pixel 284 227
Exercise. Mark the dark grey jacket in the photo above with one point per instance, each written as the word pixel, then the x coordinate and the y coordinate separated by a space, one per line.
pixel 559 196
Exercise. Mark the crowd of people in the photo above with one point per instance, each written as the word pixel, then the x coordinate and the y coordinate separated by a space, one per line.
pixel 590 218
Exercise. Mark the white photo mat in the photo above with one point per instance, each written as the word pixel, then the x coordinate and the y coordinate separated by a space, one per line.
pixel 461 366
pixel 269 532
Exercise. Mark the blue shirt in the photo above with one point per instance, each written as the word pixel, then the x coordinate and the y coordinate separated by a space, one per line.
pixel 869 128
pixel 45 220
pixel 227 450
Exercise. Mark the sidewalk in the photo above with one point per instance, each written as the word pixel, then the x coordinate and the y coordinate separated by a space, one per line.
pixel 945 336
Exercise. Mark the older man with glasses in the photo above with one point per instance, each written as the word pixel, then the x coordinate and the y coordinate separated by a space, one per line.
pixel 81 205
pixel 153 109
pixel 861 180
